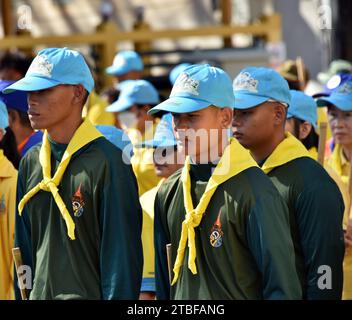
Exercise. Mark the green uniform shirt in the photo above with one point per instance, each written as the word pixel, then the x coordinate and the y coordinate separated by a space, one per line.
pixel 105 261
pixel 316 211
pixel 253 258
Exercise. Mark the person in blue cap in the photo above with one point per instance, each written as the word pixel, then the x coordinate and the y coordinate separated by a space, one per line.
pixel 301 121
pixel 16 103
pixel 8 143
pixel 226 223
pixel 8 181
pixel 127 65
pixel 175 71
pixel 165 158
pixel 77 227
pixel 137 97
pixel 339 105
pixel 314 201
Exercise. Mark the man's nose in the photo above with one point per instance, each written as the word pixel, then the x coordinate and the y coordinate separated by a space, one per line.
pixel 236 120
pixel 181 123
pixel 32 96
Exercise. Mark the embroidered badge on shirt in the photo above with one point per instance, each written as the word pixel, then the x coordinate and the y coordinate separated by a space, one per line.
pixel 2 204
pixel 78 202
pixel 245 81
pixel 41 65
pixel 185 84
pixel 216 233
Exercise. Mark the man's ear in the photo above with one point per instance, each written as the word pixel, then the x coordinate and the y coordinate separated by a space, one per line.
pixel 304 130
pixel 226 117
pixel 79 94
pixel 280 112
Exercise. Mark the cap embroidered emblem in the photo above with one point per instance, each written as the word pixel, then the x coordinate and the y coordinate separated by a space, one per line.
pixel 185 84
pixel 41 65
pixel 244 81
pixel 346 88
pixel 119 62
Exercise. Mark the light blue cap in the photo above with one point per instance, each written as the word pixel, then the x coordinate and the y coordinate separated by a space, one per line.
pixel 125 61
pixel 256 85
pixel 341 97
pixel 196 88
pixel 52 67
pixel 4 117
pixel 164 134
pixel 134 92
pixel 117 137
pixel 175 72
pixel 302 107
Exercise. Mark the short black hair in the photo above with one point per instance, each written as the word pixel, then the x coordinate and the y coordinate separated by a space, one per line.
pixel 15 60
pixel 9 146
pixel 310 141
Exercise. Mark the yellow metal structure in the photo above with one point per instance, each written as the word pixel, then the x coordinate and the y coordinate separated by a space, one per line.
pixel 109 36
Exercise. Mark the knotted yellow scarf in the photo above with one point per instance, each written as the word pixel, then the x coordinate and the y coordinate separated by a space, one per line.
pixel 83 135
pixel 234 160
pixel 289 149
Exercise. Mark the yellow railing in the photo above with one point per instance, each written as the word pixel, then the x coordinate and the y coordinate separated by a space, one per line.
pixel 107 38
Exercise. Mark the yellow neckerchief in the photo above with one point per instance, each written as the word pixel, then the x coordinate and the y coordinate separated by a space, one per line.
pixel 313 152
pixel 234 160
pixel 338 161
pixel 289 149
pixel 83 135
pixel 7 170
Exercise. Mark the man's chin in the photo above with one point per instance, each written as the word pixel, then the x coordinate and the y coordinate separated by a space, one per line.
pixel 37 126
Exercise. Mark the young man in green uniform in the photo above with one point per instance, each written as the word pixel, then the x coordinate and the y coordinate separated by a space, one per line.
pixel 165 155
pixel 227 224
pixel 314 200
pixel 77 227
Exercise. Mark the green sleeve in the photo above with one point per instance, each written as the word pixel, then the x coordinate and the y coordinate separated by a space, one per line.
pixel 161 239
pixel 121 255
pixel 270 242
pixel 23 238
pixel 319 213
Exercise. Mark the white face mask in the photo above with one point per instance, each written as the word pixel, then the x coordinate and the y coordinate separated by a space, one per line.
pixel 128 119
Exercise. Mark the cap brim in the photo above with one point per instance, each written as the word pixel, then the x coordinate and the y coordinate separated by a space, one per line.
pixel 320 94
pixel 157 144
pixel 31 83
pixel 180 105
pixel 116 71
pixel 340 103
pixel 119 106
pixel 246 101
